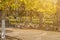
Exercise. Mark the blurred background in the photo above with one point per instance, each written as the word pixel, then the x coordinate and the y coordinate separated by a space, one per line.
pixel 31 14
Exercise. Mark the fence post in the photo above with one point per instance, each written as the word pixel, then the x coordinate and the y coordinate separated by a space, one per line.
pixel 3 30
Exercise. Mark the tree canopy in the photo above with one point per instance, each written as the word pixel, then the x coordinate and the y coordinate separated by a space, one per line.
pixel 21 6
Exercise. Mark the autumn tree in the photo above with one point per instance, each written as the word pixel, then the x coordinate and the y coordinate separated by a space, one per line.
pixel 44 10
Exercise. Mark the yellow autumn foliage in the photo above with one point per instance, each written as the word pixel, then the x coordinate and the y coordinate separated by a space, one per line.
pixel 45 6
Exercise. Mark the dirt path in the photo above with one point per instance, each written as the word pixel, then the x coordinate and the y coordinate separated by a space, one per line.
pixel 31 34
